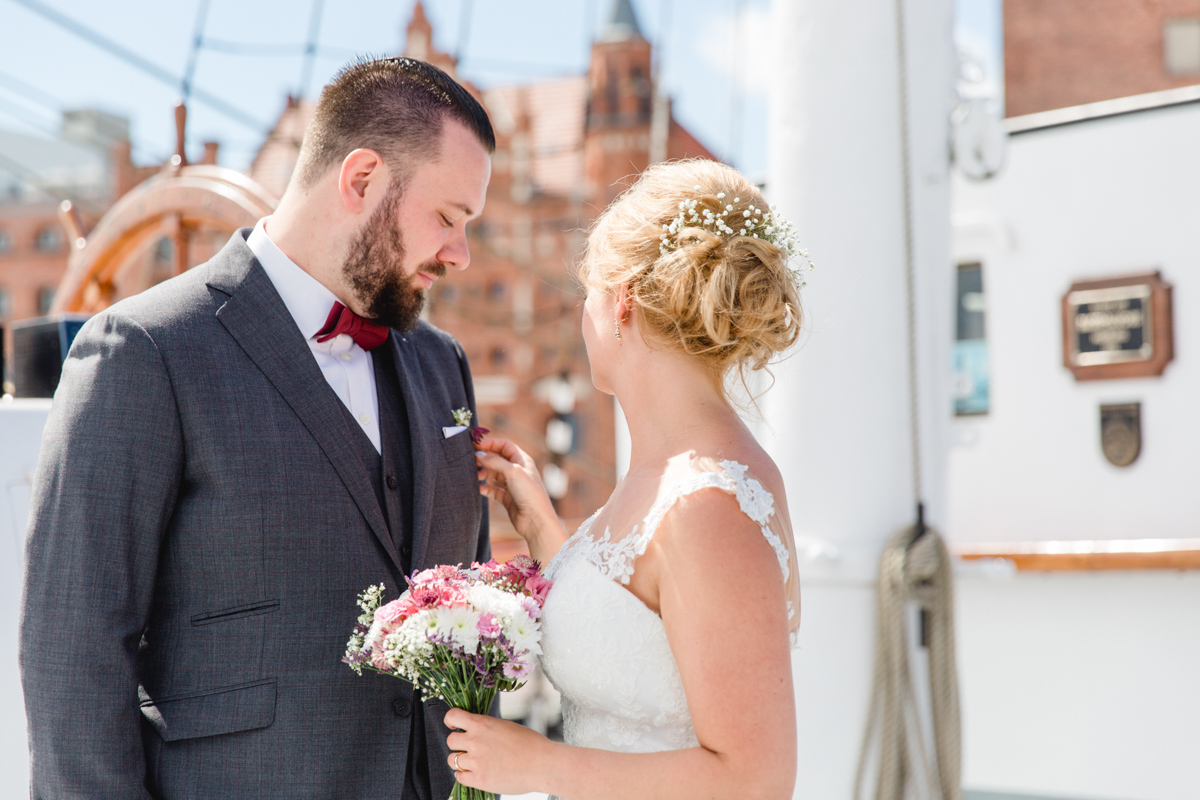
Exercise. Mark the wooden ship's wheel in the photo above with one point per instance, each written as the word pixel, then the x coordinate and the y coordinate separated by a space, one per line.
pixel 178 204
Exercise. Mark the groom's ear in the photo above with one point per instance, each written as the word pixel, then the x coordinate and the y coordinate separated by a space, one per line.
pixel 361 172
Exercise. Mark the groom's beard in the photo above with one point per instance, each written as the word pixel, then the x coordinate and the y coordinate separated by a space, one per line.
pixel 374 269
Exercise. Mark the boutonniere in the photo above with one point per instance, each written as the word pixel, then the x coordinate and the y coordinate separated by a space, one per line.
pixel 462 418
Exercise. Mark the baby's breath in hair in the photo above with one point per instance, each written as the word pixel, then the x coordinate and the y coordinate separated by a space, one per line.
pixel 752 221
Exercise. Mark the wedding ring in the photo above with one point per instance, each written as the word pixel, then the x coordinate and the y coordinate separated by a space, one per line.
pixel 457 768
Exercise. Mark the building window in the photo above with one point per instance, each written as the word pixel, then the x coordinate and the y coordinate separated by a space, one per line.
pixel 498 356
pixel 970 345
pixel 164 251
pixel 5 243
pixel 48 240
pixel 45 300
pixel 5 304
pixel 497 291
pixel 1181 46
pixel 448 293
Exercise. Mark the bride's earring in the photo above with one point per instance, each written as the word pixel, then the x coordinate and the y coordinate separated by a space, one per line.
pixel 617 328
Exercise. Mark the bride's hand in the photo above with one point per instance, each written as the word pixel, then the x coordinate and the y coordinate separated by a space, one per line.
pixel 494 754
pixel 511 478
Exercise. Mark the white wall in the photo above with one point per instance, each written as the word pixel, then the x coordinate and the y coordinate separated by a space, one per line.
pixel 21 423
pixel 1098 198
pixel 1081 685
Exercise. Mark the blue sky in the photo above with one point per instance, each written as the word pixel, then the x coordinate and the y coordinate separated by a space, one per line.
pixel 717 81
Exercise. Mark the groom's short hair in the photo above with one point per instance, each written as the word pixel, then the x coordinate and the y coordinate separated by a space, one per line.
pixel 394 106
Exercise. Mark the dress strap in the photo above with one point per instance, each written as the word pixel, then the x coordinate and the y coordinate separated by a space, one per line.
pixel 753 498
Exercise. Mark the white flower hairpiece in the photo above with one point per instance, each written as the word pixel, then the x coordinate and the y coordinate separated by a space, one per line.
pixel 755 222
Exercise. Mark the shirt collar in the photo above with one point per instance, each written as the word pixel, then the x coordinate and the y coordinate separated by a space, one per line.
pixel 306 298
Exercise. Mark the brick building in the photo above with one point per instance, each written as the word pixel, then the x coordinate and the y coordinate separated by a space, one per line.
pixel 91 165
pixel 565 149
pixel 1065 54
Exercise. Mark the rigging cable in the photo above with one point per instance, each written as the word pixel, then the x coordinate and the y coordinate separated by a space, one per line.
pixel 146 66
pixel 915 566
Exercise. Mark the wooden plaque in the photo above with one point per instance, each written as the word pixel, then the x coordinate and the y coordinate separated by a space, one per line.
pixel 1117 327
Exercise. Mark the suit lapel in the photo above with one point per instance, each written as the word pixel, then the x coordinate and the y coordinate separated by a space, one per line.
pixel 258 320
pixel 423 425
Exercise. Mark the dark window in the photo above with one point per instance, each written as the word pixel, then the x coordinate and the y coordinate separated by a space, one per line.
pixel 448 293
pixel 971 382
pixel 5 304
pixel 498 356
pixel 45 300
pixel 497 291
pixel 48 240
pixel 5 242
pixel 164 251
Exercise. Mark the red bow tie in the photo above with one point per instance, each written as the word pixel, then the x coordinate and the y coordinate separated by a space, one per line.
pixel 365 334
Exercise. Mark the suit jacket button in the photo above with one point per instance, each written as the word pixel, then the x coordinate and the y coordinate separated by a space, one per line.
pixel 404 551
pixel 401 707
pixel 392 482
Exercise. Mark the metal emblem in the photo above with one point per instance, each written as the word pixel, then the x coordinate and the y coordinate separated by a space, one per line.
pixel 1121 432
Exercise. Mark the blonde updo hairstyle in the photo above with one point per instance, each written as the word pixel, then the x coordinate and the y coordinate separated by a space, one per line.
pixel 728 300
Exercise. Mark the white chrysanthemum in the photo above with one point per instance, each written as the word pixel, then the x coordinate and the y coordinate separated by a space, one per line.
pixel 461 624
pixel 523 632
pixel 497 602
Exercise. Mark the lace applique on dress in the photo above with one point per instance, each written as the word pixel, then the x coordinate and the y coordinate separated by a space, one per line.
pixel 605 651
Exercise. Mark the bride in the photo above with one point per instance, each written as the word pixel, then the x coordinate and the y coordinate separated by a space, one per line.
pixel 668 628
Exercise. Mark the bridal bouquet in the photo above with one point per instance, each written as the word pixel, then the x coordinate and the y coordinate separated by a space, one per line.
pixel 460 635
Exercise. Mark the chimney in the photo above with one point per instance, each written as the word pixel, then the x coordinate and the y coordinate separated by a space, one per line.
pixel 210 153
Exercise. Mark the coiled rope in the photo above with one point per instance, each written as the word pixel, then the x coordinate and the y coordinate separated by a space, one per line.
pixel 915 566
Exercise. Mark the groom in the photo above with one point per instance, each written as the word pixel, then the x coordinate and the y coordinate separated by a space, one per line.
pixel 233 455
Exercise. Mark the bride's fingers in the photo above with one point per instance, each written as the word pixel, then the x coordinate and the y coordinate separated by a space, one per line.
pixel 497 495
pixel 501 447
pixel 493 462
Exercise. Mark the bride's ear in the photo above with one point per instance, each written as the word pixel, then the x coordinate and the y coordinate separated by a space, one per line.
pixel 623 303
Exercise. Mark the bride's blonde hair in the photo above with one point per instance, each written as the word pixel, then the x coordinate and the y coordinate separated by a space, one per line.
pixel 727 299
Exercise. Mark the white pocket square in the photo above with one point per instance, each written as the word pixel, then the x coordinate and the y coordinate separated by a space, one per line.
pixel 453 431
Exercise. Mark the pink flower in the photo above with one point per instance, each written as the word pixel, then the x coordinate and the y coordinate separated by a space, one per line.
pixel 425 597
pixel 516 670
pixel 396 611
pixel 488 571
pixel 450 596
pixel 522 565
pixel 532 607
pixel 424 576
pixel 447 572
pixel 380 660
pixel 488 626
pixel 538 586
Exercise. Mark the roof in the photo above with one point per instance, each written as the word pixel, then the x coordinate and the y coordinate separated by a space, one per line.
pixel 1104 108
pixel 62 167
pixel 555 112
pixel 622 24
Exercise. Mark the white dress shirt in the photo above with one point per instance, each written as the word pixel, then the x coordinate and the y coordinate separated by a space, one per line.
pixel 346 366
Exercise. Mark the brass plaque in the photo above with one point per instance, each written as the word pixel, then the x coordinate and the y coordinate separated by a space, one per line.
pixel 1118 327
pixel 1111 325
pixel 1121 432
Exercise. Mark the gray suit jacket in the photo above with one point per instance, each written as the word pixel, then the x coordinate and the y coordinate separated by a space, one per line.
pixel 200 527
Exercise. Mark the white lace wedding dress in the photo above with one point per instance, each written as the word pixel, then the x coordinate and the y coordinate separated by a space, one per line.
pixel 606 652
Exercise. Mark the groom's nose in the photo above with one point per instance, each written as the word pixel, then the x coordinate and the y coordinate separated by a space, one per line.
pixel 455 253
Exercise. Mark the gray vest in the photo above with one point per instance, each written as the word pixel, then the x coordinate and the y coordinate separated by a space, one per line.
pixel 391 477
